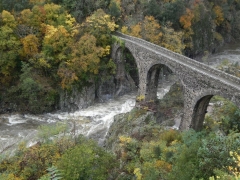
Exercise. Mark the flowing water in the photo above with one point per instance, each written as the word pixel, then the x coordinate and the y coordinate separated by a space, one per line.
pixel 93 121
pixel 230 52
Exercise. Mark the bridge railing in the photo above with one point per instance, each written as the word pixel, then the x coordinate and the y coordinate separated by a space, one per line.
pixel 182 58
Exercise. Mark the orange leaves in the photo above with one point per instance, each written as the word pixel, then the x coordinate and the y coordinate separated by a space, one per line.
pixel 7 19
pixel 186 19
pixel 67 77
pixel 149 29
pixel 30 45
pixel 219 15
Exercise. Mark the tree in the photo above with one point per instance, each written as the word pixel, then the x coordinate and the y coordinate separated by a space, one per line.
pixel 114 9
pixel 219 15
pixel 100 25
pixel 172 40
pixel 171 11
pixel 83 63
pixel 14 5
pixel 86 161
pixel 80 9
pixel 186 22
pixel 203 28
pixel 30 45
pixel 9 46
pixel 151 30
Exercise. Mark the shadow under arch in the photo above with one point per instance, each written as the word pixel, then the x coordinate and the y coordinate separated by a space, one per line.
pixel 201 108
pixel 156 73
pixel 199 112
pixel 126 78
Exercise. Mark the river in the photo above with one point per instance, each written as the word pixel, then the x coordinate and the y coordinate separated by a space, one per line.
pixel 93 121
pixel 229 52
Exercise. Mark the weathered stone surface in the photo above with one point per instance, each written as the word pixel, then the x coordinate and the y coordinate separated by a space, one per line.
pixel 200 81
pixel 131 124
pixel 76 99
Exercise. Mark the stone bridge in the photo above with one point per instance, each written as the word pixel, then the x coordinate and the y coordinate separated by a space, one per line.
pixel 200 82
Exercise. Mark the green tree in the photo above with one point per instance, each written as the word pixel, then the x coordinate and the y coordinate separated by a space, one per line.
pixel 203 28
pixel 9 46
pixel 80 9
pixel 172 11
pixel 86 161
pixel 100 25
pixel 84 62
pixel 114 10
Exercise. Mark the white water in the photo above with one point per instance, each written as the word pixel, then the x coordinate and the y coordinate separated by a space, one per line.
pixel 92 122
pixel 229 52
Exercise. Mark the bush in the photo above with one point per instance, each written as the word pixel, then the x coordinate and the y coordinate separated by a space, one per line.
pixel 86 161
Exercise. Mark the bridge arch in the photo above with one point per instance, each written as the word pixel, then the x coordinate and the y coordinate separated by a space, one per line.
pixel 154 73
pixel 201 104
pixel 127 76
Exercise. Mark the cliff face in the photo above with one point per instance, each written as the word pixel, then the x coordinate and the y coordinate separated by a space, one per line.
pixel 133 124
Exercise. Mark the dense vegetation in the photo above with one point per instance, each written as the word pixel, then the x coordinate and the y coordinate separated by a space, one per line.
pixel 49 46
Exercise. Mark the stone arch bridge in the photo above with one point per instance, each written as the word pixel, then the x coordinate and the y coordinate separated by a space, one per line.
pixel 200 82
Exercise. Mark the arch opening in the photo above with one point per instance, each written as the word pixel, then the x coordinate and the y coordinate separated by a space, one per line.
pixel 216 113
pixel 159 80
pixel 199 112
pixel 126 78
pixel 131 66
pixel 165 89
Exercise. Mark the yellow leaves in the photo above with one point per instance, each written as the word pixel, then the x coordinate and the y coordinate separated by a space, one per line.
pixel 235 170
pixel 140 98
pixel 136 30
pixel 219 15
pixel 83 60
pixel 124 30
pixel 50 31
pixel 25 16
pixel 7 19
pixel 70 20
pixel 163 165
pixel 124 139
pixel 172 40
pixel 151 29
pixel 30 45
pixel 101 21
pixel 218 37
pixel 56 40
pixel 11 176
pixel 107 50
pixel 138 174
pixel 42 62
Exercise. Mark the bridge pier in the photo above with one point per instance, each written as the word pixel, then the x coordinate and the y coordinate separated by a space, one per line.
pixel 194 112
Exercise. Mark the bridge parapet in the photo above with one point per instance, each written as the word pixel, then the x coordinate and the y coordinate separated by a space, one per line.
pixel 185 60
